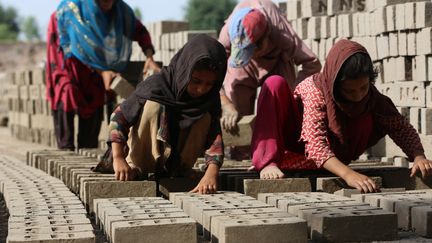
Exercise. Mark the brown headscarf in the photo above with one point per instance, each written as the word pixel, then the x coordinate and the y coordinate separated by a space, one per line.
pixel 337 112
pixel 169 86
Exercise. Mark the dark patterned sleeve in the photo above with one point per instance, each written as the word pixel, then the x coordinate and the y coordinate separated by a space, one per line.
pixel 215 147
pixel 403 134
pixel 118 127
pixel 142 36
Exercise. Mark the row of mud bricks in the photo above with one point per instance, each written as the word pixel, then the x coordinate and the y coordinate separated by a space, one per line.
pixel 63 201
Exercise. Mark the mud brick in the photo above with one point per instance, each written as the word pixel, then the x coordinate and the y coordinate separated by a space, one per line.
pixel 111 189
pixel 426 121
pixel 347 25
pixel 423 16
pixel 393 45
pixel 50 220
pixel 351 224
pixel 252 187
pixel 12 91
pixel 38 76
pixel 301 28
pixel 179 197
pixel 410 16
pixel 104 219
pixel 324 27
pixel 160 230
pixel 404 208
pixel 284 201
pixel 122 87
pixel 391 17
pixel 420 68
pixel 403 43
pixel 387 200
pixel 349 192
pixel 383 49
pixel 135 208
pixel 412 43
pixel 293 10
pixel 35 92
pixel 80 178
pixel 332 184
pixel 421 219
pixel 244 135
pixel 47 212
pixel 24 92
pixel 424 41
pixel 83 186
pixel 333 26
pixel 429 68
pixel 379 21
pixel 313 27
pixel 244 228
pixel 53 229
pixel 209 215
pixel 196 209
pixel 81 237
pixel 400 17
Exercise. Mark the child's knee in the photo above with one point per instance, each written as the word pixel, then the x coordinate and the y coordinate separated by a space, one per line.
pixel 276 82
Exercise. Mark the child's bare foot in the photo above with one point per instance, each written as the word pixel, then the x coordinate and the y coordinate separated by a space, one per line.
pixel 271 172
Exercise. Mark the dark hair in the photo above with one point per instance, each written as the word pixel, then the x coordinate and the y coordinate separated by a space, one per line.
pixel 357 66
pixel 205 64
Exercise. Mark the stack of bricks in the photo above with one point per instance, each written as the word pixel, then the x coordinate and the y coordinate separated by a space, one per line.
pixel 234 217
pixel 413 208
pixel 24 92
pixel 74 170
pixel 151 219
pixel 41 208
pixel 168 37
pixel 333 218
pixel 29 111
pixel 397 35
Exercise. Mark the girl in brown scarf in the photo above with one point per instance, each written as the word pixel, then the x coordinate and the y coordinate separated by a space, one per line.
pixel 331 119
pixel 174 117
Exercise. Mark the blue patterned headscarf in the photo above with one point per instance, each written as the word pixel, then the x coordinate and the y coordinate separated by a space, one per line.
pixel 100 40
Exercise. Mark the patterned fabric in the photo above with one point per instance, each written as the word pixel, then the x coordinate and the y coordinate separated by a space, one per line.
pixel 100 40
pixel 314 127
pixel 284 51
pixel 69 81
pixel 119 130
pixel 403 134
pixel 315 132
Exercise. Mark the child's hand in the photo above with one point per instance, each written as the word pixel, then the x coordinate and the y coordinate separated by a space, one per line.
pixel 208 183
pixel 360 182
pixel 271 172
pixel 122 170
pixel 422 164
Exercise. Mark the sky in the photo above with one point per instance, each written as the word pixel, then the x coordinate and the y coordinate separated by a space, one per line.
pixel 151 11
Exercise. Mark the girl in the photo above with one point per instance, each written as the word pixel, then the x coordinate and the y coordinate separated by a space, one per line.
pixel 331 119
pixel 88 42
pixel 174 116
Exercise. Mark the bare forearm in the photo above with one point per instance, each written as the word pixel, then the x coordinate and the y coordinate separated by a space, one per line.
pixel 117 149
pixel 335 166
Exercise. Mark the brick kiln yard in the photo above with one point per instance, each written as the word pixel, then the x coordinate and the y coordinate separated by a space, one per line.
pixel 52 196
